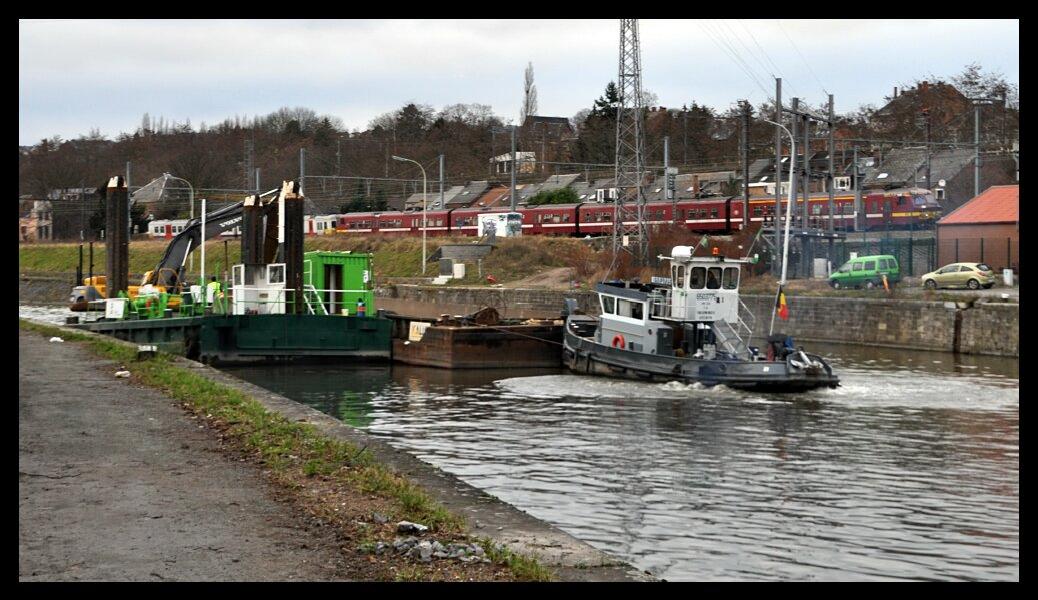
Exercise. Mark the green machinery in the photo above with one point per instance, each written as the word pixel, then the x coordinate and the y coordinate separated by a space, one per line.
pixel 338 283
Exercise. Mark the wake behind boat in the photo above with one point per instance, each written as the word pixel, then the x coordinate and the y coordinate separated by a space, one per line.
pixel 686 328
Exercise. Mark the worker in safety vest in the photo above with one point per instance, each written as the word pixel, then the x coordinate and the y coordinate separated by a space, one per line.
pixel 214 294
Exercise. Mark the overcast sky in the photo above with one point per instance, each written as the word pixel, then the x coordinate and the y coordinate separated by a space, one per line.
pixel 78 75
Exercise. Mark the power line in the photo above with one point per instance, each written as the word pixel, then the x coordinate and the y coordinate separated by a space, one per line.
pixel 812 71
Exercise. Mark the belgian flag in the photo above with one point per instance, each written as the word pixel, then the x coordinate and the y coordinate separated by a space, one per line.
pixel 781 309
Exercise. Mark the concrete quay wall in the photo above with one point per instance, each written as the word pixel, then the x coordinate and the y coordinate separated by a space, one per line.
pixel 980 328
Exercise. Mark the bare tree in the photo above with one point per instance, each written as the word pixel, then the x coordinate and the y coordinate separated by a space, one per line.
pixel 529 93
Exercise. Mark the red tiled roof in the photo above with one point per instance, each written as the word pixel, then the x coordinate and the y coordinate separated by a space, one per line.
pixel 997 204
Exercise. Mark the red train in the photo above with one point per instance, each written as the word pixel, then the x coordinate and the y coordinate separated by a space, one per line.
pixel 894 209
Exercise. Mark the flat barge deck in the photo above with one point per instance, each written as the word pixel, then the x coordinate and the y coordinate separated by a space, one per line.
pixel 228 339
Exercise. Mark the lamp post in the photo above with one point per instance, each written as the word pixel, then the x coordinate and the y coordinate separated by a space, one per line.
pixel 789 206
pixel 425 199
pixel 191 192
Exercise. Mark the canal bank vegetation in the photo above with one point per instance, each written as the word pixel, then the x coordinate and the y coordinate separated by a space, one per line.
pixel 546 262
pixel 333 480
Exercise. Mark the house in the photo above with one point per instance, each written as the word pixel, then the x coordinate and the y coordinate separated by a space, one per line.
pixel 951 172
pixel 526 161
pixel 468 194
pixel 551 135
pixel 37 223
pixel 986 229
pixel 944 103
pixel 493 197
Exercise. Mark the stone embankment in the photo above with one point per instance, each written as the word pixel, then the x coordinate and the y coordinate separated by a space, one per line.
pixel 991 328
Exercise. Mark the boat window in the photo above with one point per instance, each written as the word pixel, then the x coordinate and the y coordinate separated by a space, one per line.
pixel 679 279
pixel 731 278
pixel 713 278
pixel 857 266
pixel 627 308
pixel 697 278
pixel 276 274
pixel 608 305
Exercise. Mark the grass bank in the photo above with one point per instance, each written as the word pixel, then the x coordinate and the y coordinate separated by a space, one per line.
pixel 332 479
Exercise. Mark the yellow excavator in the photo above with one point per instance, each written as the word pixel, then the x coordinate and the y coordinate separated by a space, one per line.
pixel 168 275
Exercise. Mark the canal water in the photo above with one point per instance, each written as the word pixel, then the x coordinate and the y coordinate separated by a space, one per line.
pixel 909 471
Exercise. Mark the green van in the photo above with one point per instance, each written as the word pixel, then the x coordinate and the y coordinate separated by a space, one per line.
pixel 866 271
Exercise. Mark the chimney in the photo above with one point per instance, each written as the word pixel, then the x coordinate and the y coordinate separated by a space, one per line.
pixel 895 91
pixel 695 186
pixel 924 86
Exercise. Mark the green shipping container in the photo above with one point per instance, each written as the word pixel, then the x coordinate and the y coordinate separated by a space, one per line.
pixel 350 272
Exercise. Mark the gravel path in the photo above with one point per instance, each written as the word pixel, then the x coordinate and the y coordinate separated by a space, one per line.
pixel 116 482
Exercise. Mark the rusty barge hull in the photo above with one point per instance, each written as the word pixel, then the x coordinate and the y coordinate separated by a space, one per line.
pixel 482 347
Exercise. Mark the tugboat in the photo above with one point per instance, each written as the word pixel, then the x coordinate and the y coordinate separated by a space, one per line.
pixel 686 328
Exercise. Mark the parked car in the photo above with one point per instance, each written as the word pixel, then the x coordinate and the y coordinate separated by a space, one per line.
pixel 970 275
pixel 867 271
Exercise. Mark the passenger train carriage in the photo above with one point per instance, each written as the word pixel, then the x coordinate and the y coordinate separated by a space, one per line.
pixel 892 209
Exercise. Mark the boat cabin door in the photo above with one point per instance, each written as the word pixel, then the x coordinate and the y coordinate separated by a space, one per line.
pixel 679 291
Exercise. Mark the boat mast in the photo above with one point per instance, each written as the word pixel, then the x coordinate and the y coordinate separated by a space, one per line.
pixel 789 209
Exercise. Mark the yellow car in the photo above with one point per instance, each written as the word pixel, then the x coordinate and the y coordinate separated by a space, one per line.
pixel 970 275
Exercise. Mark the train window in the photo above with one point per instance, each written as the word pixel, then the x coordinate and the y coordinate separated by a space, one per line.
pixel 697 278
pixel 731 278
pixel 679 214
pixel 713 278
pixel 758 211
pixel 713 213
pixel 816 209
pixel 565 218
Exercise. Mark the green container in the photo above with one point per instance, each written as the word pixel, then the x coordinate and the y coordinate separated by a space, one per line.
pixel 350 272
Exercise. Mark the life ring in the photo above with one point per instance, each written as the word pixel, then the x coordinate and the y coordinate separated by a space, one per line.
pixel 619 341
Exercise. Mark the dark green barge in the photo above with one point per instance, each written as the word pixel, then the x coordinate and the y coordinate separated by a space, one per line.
pixel 235 339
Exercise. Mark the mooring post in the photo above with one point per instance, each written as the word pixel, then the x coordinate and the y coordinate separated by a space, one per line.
pixel 91 249
pixel 117 243
pixel 293 249
pixel 79 267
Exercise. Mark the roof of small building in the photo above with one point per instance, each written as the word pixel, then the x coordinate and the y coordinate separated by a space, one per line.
pixel 466 195
pixel 997 204
pixel 492 197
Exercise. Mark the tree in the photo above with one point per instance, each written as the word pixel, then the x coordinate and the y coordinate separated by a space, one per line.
pixel 559 196
pixel 529 94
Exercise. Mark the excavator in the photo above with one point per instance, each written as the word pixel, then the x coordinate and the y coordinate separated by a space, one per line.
pixel 167 276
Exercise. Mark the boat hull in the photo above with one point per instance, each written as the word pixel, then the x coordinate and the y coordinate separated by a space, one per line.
pixel 583 355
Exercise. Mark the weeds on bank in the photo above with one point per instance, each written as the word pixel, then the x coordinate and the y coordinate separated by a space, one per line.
pixel 523 566
pixel 292 449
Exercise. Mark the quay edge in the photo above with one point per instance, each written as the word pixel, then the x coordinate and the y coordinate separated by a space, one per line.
pixel 571 559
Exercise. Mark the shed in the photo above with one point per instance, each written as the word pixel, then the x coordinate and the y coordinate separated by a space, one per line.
pixel 986 229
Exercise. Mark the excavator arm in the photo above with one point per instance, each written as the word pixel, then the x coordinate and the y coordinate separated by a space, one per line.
pixel 170 270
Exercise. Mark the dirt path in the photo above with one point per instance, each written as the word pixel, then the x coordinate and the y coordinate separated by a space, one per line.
pixel 115 482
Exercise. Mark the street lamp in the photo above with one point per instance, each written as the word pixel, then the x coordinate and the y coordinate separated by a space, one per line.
pixel 789 205
pixel 425 198
pixel 191 192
